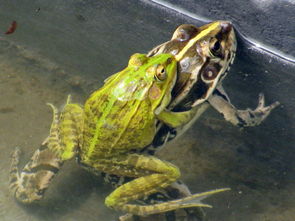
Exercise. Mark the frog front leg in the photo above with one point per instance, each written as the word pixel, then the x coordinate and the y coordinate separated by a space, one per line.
pixel 151 175
pixel 243 118
pixel 178 119
pixel 30 184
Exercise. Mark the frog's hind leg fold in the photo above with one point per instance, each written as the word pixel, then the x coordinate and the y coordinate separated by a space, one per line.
pixel 192 201
pixel 174 191
pixel 153 175
pixel 30 184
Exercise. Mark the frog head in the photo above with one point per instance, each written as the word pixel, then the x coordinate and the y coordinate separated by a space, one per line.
pixel 147 79
pixel 204 56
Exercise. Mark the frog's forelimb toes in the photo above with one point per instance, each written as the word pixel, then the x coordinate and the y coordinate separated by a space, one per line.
pixel 261 100
pixel 261 105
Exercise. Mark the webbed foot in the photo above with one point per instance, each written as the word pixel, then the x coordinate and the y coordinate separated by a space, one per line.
pixel 192 201
pixel 249 117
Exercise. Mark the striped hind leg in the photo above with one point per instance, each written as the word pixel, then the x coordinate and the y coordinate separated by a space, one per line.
pixel 151 175
pixel 176 190
pixel 30 184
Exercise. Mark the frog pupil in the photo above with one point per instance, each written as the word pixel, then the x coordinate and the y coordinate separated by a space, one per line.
pixel 216 49
pixel 216 46
pixel 160 73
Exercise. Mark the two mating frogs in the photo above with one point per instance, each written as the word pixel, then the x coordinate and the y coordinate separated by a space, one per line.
pixel 153 100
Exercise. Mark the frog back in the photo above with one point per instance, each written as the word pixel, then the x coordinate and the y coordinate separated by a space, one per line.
pixel 118 118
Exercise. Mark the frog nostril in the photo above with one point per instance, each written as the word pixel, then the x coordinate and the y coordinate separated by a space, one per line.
pixel 226 26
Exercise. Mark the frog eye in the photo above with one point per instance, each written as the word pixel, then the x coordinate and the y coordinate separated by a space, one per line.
pixel 215 49
pixel 185 32
pixel 160 73
pixel 209 73
pixel 216 46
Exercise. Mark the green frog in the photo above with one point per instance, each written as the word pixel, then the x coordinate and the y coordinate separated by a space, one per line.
pixel 107 134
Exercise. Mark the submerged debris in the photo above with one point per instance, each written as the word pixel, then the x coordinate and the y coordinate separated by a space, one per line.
pixel 11 28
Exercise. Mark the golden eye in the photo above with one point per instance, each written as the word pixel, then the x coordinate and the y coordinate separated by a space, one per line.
pixel 161 73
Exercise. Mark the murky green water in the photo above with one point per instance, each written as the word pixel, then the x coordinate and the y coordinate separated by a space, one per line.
pixel 69 48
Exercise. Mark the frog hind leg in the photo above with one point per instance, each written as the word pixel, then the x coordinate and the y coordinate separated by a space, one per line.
pixel 66 132
pixel 174 191
pixel 30 184
pixel 152 175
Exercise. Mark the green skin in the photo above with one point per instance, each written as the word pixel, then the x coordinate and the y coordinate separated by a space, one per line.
pixel 119 118
pixel 120 112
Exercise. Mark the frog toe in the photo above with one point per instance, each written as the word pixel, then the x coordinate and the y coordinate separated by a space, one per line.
pixel 195 200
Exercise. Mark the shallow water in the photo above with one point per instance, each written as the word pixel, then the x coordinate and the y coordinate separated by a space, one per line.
pixel 62 50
